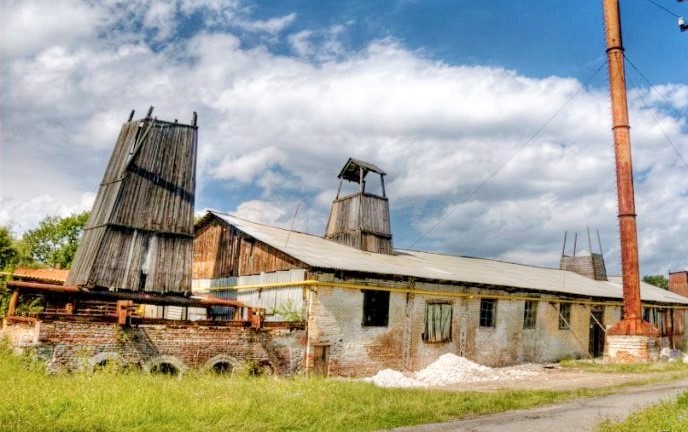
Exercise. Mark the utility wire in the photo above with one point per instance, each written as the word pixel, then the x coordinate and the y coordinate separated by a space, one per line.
pixel 647 108
pixel 663 8
pixel 503 165
pixel 652 88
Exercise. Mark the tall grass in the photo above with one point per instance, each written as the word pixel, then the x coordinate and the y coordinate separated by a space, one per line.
pixel 110 400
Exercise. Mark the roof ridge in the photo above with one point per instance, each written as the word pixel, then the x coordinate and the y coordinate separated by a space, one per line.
pixel 481 259
pixel 266 225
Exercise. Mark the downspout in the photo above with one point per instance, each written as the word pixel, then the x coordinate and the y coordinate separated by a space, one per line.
pixel 308 333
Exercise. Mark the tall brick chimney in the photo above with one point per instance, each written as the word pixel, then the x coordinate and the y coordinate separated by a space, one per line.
pixel 678 282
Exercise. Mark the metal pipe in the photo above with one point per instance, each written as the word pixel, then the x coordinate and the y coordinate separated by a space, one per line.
pixel 563 248
pixel 357 287
pixel 146 298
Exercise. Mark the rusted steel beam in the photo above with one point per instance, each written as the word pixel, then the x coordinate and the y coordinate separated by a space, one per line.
pixel 145 298
pixel 631 323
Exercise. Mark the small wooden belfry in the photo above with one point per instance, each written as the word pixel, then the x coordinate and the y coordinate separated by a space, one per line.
pixel 140 233
pixel 361 220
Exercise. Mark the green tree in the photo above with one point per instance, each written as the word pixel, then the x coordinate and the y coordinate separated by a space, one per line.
pixel 8 250
pixel 657 280
pixel 55 240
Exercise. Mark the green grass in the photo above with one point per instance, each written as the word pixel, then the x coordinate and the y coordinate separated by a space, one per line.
pixel 134 401
pixel 669 417
pixel 30 400
pixel 635 368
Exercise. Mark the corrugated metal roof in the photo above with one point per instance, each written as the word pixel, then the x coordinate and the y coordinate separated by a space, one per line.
pixel 41 274
pixel 325 254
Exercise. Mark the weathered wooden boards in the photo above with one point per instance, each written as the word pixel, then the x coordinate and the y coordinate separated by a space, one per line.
pixel 140 233
pixel 220 250
pixel 361 221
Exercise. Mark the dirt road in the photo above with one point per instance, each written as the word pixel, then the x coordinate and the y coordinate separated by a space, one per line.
pixel 577 415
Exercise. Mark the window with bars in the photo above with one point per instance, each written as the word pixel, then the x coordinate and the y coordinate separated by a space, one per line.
pixel 530 314
pixel 564 316
pixel 438 320
pixel 488 312
pixel 375 308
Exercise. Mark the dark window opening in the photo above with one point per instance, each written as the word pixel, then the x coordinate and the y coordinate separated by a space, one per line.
pixel 530 314
pixel 375 308
pixel 564 316
pixel 488 315
pixel 438 320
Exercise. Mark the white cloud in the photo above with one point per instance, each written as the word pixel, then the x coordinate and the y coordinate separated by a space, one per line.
pixel 300 43
pixel 22 215
pixel 34 25
pixel 275 131
pixel 272 26
pixel 160 17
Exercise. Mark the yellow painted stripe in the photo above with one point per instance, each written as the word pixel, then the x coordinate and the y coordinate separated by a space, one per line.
pixel 357 287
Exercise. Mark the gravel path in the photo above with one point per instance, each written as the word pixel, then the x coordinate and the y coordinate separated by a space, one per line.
pixel 577 415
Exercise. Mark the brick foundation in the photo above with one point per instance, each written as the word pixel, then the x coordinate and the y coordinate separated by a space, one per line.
pixel 74 346
pixel 632 349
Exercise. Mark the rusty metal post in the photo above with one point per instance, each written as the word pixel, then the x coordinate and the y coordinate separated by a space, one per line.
pixel 632 323
pixel 12 306
pixel 122 311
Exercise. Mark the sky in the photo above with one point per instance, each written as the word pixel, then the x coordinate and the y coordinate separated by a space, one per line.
pixel 491 118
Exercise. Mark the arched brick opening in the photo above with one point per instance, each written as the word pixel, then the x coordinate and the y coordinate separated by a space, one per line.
pixel 106 359
pixel 222 364
pixel 165 365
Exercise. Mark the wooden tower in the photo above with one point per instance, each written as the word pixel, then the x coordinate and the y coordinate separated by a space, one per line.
pixel 361 220
pixel 140 233
pixel 591 266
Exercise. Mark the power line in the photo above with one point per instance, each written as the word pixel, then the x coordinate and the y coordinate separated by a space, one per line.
pixel 652 88
pixel 503 165
pixel 671 143
pixel 663 8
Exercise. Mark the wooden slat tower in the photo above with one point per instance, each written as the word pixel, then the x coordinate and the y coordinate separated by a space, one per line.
pixel 361 220
pixel 140 233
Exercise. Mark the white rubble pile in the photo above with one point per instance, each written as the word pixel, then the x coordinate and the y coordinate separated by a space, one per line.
pixel 446 370
pixel 672 355
pixel 451 369
pixel 393 378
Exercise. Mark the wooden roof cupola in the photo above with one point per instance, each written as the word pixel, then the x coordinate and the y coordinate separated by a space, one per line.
pixel 361 220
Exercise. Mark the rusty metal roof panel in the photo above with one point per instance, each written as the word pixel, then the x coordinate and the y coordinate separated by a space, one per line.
pixel 319 252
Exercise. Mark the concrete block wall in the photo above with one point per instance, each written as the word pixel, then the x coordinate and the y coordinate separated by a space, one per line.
pixel 70 346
